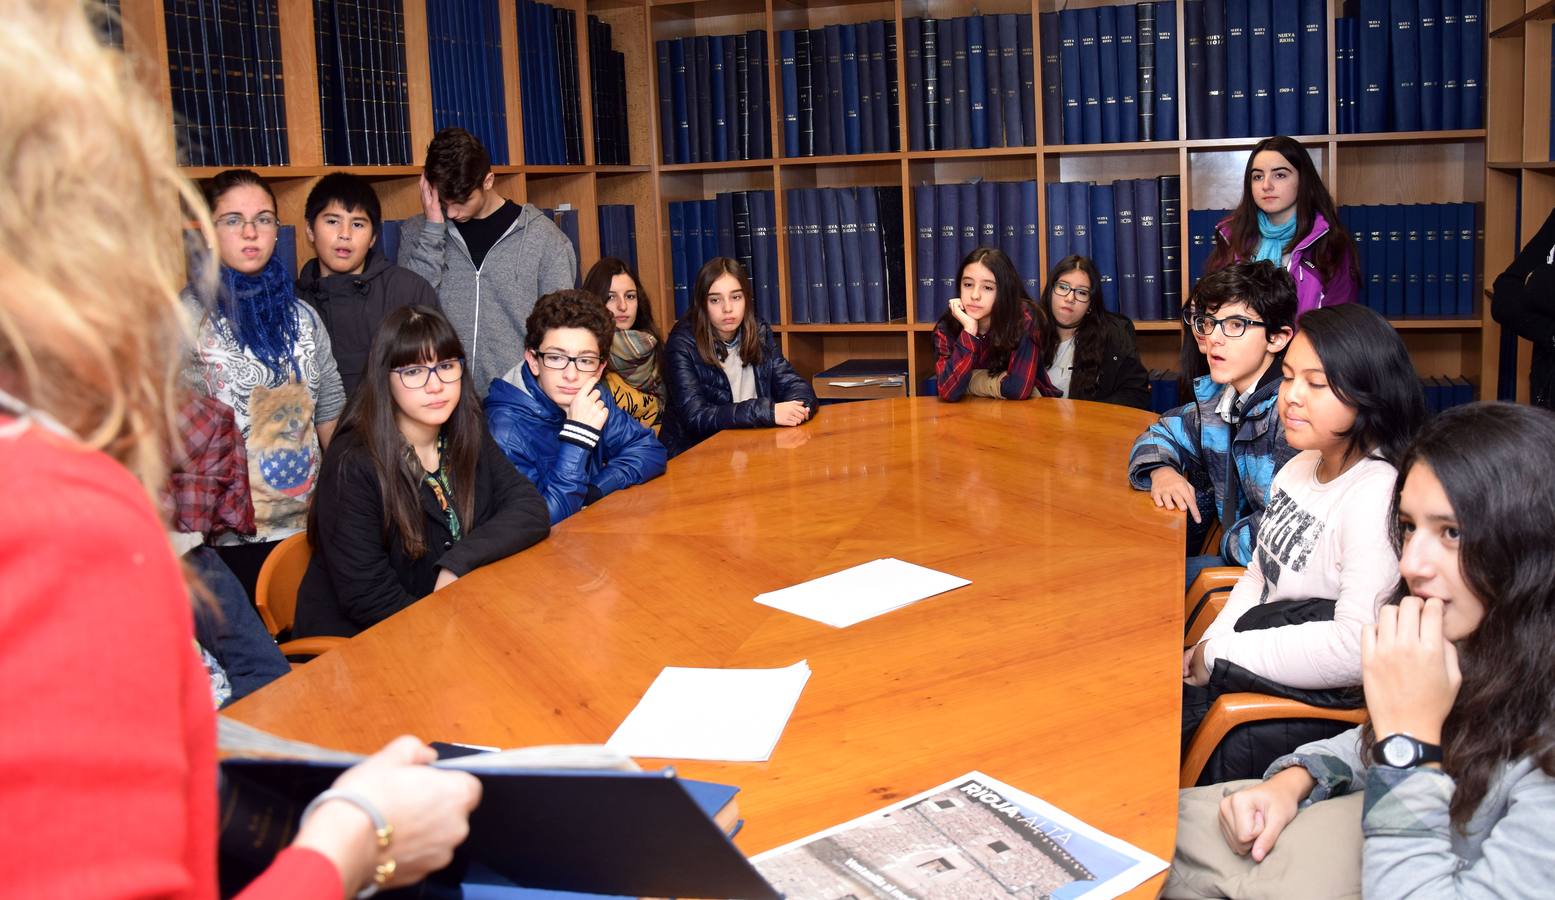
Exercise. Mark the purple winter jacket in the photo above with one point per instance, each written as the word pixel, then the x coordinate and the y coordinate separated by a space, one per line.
pixel 1311 291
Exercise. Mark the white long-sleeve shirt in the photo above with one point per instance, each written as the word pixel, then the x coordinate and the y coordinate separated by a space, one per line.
pixel 1328 541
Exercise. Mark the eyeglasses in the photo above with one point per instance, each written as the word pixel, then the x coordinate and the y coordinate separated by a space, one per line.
pixel 1230 326
pixel 1081 295
pixel 262 222
pixel 585 363
pixel 416 377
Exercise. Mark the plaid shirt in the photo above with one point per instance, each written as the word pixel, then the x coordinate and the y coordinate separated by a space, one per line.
pixel 208 488
pixel 955 361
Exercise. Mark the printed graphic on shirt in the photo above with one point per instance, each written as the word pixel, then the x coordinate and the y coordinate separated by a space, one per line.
pixel 1286 539
pixel 281 453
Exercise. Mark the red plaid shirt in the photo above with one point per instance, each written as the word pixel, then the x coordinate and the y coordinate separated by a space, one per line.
pixel 956 360
pixel 208 489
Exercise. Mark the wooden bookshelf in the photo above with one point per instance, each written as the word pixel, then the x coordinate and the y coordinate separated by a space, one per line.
pixel 1473 165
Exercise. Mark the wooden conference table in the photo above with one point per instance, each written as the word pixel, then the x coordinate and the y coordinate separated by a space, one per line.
pixel 1057 670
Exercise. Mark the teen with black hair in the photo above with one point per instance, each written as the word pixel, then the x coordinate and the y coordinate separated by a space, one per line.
pixel 350 282
pixel 635 377
pixel 415 493
pixel 1090 352
pixel 989 341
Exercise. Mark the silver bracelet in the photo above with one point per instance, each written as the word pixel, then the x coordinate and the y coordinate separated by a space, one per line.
pixel 383 832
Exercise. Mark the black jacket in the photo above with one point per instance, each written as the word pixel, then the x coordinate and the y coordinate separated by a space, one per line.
pixel 353 306
pixel 357 577
pixel 701 402
pixel 1122 379
pixel 1525 303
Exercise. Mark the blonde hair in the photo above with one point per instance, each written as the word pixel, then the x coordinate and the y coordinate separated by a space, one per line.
pixel 91 249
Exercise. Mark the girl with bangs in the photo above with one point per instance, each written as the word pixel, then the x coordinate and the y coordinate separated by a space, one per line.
pixel 414 493
pixel 989 341
pixel 1090 352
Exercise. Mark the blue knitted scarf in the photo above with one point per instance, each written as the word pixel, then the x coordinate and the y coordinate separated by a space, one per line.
pixel 260 313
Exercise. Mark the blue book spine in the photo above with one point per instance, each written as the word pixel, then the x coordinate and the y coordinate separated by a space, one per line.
pixel 1104 243
pixel 718 93
pixel 912 63
pixel 977 82
pixel 961 103
pixel 1405 54
pixel 815 256
pixel 988 223
pixel 1079 204
pixel 1395 227
pixel 1147 238
pixel 994 84
pixel 931 100
pixel 1314 67
pixel 1414 262
pixel 893 244
pixel 1169 190
pixel 1431 254
pixel 1069 84
pixel 725 243
pixel 678 259
pixel 761 93
pixel 1011 231
pixel 925 271
pixel 713 243
pixel 1372 45
pixel 1128 78
pixel 1447 258
pixel 1377 274
pixel 866 89
pixel 1260 67
pixel 1214 69
pixel 852 135
pixel 733 77
pixel 836 273
pixel 1057 222
pixel 764 244
pixel 1144 50
pixel 820 95
pixel 696 242
pixel 790 77
pixel 1165 71
pixel 947 207
pixel 1341 74
pixel 1431 64
pixel 871 254
pixel 1029 258
pixel 1010 81
pixel 1127 247
pixel 837 114
pixel 882 82
pixel 947 85
pixel 1107 50
pixel 1471 67
pixel 1238 107
pixel 1287 68
pixel 967 219
pixel 1026 61
pixel 1451 37
pixel 1467 243
pixel 682 114
pixel 1052 96
pixel 1197 92
pixel 1090 77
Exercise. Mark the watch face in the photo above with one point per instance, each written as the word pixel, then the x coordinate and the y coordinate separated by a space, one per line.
pixel 1398 751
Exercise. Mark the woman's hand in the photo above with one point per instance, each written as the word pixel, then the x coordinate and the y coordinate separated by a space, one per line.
pixel 1251 819
pixel 790 413
pixel 1170 490
pixel 1410 670
pixel 958 309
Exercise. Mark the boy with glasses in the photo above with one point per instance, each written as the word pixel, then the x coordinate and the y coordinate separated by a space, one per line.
pixel 550 417
pixel 1230 434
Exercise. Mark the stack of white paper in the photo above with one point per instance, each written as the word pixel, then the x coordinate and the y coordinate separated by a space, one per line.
pixel 719 714
pixel 862 592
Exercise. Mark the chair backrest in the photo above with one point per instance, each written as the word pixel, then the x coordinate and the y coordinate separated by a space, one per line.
pixel 275 594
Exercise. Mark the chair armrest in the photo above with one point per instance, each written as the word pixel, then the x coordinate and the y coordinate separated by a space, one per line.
pixel 311 646
pixel 1205 599
pixel 1232 710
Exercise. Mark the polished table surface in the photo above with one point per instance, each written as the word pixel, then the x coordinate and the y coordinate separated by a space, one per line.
pixel 1056 670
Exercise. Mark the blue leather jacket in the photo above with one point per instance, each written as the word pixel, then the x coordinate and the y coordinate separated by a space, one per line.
pixel 701 403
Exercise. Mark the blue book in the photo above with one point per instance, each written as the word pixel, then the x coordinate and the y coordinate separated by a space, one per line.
pixel 1011 232
pixel 1260 67
pixel 1214 96
pixel 977 82
pixel 1471 67
pixel 725 242
pixel 790 77
pixel 1029 258
pixel 1052 63
pixel 1377 273
pixel 1468 233
pixel 912 64
pixel 925 269
pixel 1069 68
pixel 1193 57
pixel 1447 257
pixel 994 84
pixel 931 100
pixel 1127 247
pixel 814 249
pixel 1079 207
pixel 1169 189
pixel 1201 240
pixel 1010 80
pixel 836 111
pixel 1058 246
pixel 988 224
pixel 696 250
pixel 947 85
pixel 1287 68
pixel 712 242
pixel 1026 62
pixel 1147 240
pixel 882 84
pixel 1238 103
pixel 1414 262
pixel 677 55
pixel 764 226
pixel 836 273
pixel 866 90
pixel 733 76
pixel 820 93
pixel 961 102
pixel 1144 50
pixel 1341 75
pixel 678 275
pixel 1395 227
pixel 1128 78
pixel 1371 52
pixel 1404 49
pixel 1431 64
pixel 761 92
pixel 871 254
pixel 1165 71
pixel 967 219
pixel 1104 243
pixel 947 209
pixel 893 245
pixel 1090 77
pixel 1451 37
pixel 1431 254
pixel 718 93
pixel 697 101
pixel 1354 219
pixel 1314 67
pixel 1107 46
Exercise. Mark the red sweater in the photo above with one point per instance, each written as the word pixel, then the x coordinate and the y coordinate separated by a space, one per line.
pixel 108 760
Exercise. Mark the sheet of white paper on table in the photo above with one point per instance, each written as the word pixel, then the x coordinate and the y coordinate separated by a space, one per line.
pixel 734 715
pixel 862 592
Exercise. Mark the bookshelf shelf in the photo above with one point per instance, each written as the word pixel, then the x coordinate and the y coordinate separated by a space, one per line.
pixel 732 165
pixel 1410 137
pixel 1535 166
pixel 795 162
pixel 865 328
pixel 1515 28
pixel 988 152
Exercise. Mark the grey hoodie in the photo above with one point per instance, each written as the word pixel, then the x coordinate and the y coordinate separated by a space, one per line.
pixel 489 306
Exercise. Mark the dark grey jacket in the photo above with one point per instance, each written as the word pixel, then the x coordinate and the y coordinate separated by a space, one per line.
pixel 353 306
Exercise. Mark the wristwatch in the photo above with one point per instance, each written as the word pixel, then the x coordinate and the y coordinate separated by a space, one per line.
pixel 1402 751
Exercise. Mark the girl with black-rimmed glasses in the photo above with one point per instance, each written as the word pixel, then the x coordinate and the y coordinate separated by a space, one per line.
pixel 1090 352
pixel 414 493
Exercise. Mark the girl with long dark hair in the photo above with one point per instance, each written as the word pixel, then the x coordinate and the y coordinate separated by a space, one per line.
pixel 989 341
pixel 1090 352
pixel 415 493
pixel 634 377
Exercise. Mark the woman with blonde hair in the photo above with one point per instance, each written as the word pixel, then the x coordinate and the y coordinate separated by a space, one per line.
pixel 110 776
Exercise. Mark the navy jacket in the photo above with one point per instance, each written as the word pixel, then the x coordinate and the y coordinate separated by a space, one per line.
pixel 701 402
pixel 572 465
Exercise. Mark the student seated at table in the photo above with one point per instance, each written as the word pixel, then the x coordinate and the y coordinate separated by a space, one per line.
pixel 724 367
pixel 1351 402
pixel 1090 352
pixel 555 423
pixel 1449 790
pixel 1229 433
pixel 414 493
pixel 634 376
pixel 989 341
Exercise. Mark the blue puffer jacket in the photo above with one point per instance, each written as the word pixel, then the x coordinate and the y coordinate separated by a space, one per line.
pixel 701 403
pixel 1193 439
pixel 571 464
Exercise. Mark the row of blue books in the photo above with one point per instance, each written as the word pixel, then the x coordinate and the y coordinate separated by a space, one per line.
pixel 1165 392
pixel 607 93
pixel 845 255
pixel 1201 239
pixel 738 224
pixel 952 220
pixel 565 216
pixel 364 91
pixel 464 53
pixel 1417 260
pixel 1410 65
pixel 618 232
pixel 1109 74
pixel 548 84
pixel 839 89
pixel 224 65
pixel 970 82
pixel 1130 230
pixel 713 98
pixel 1256 67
